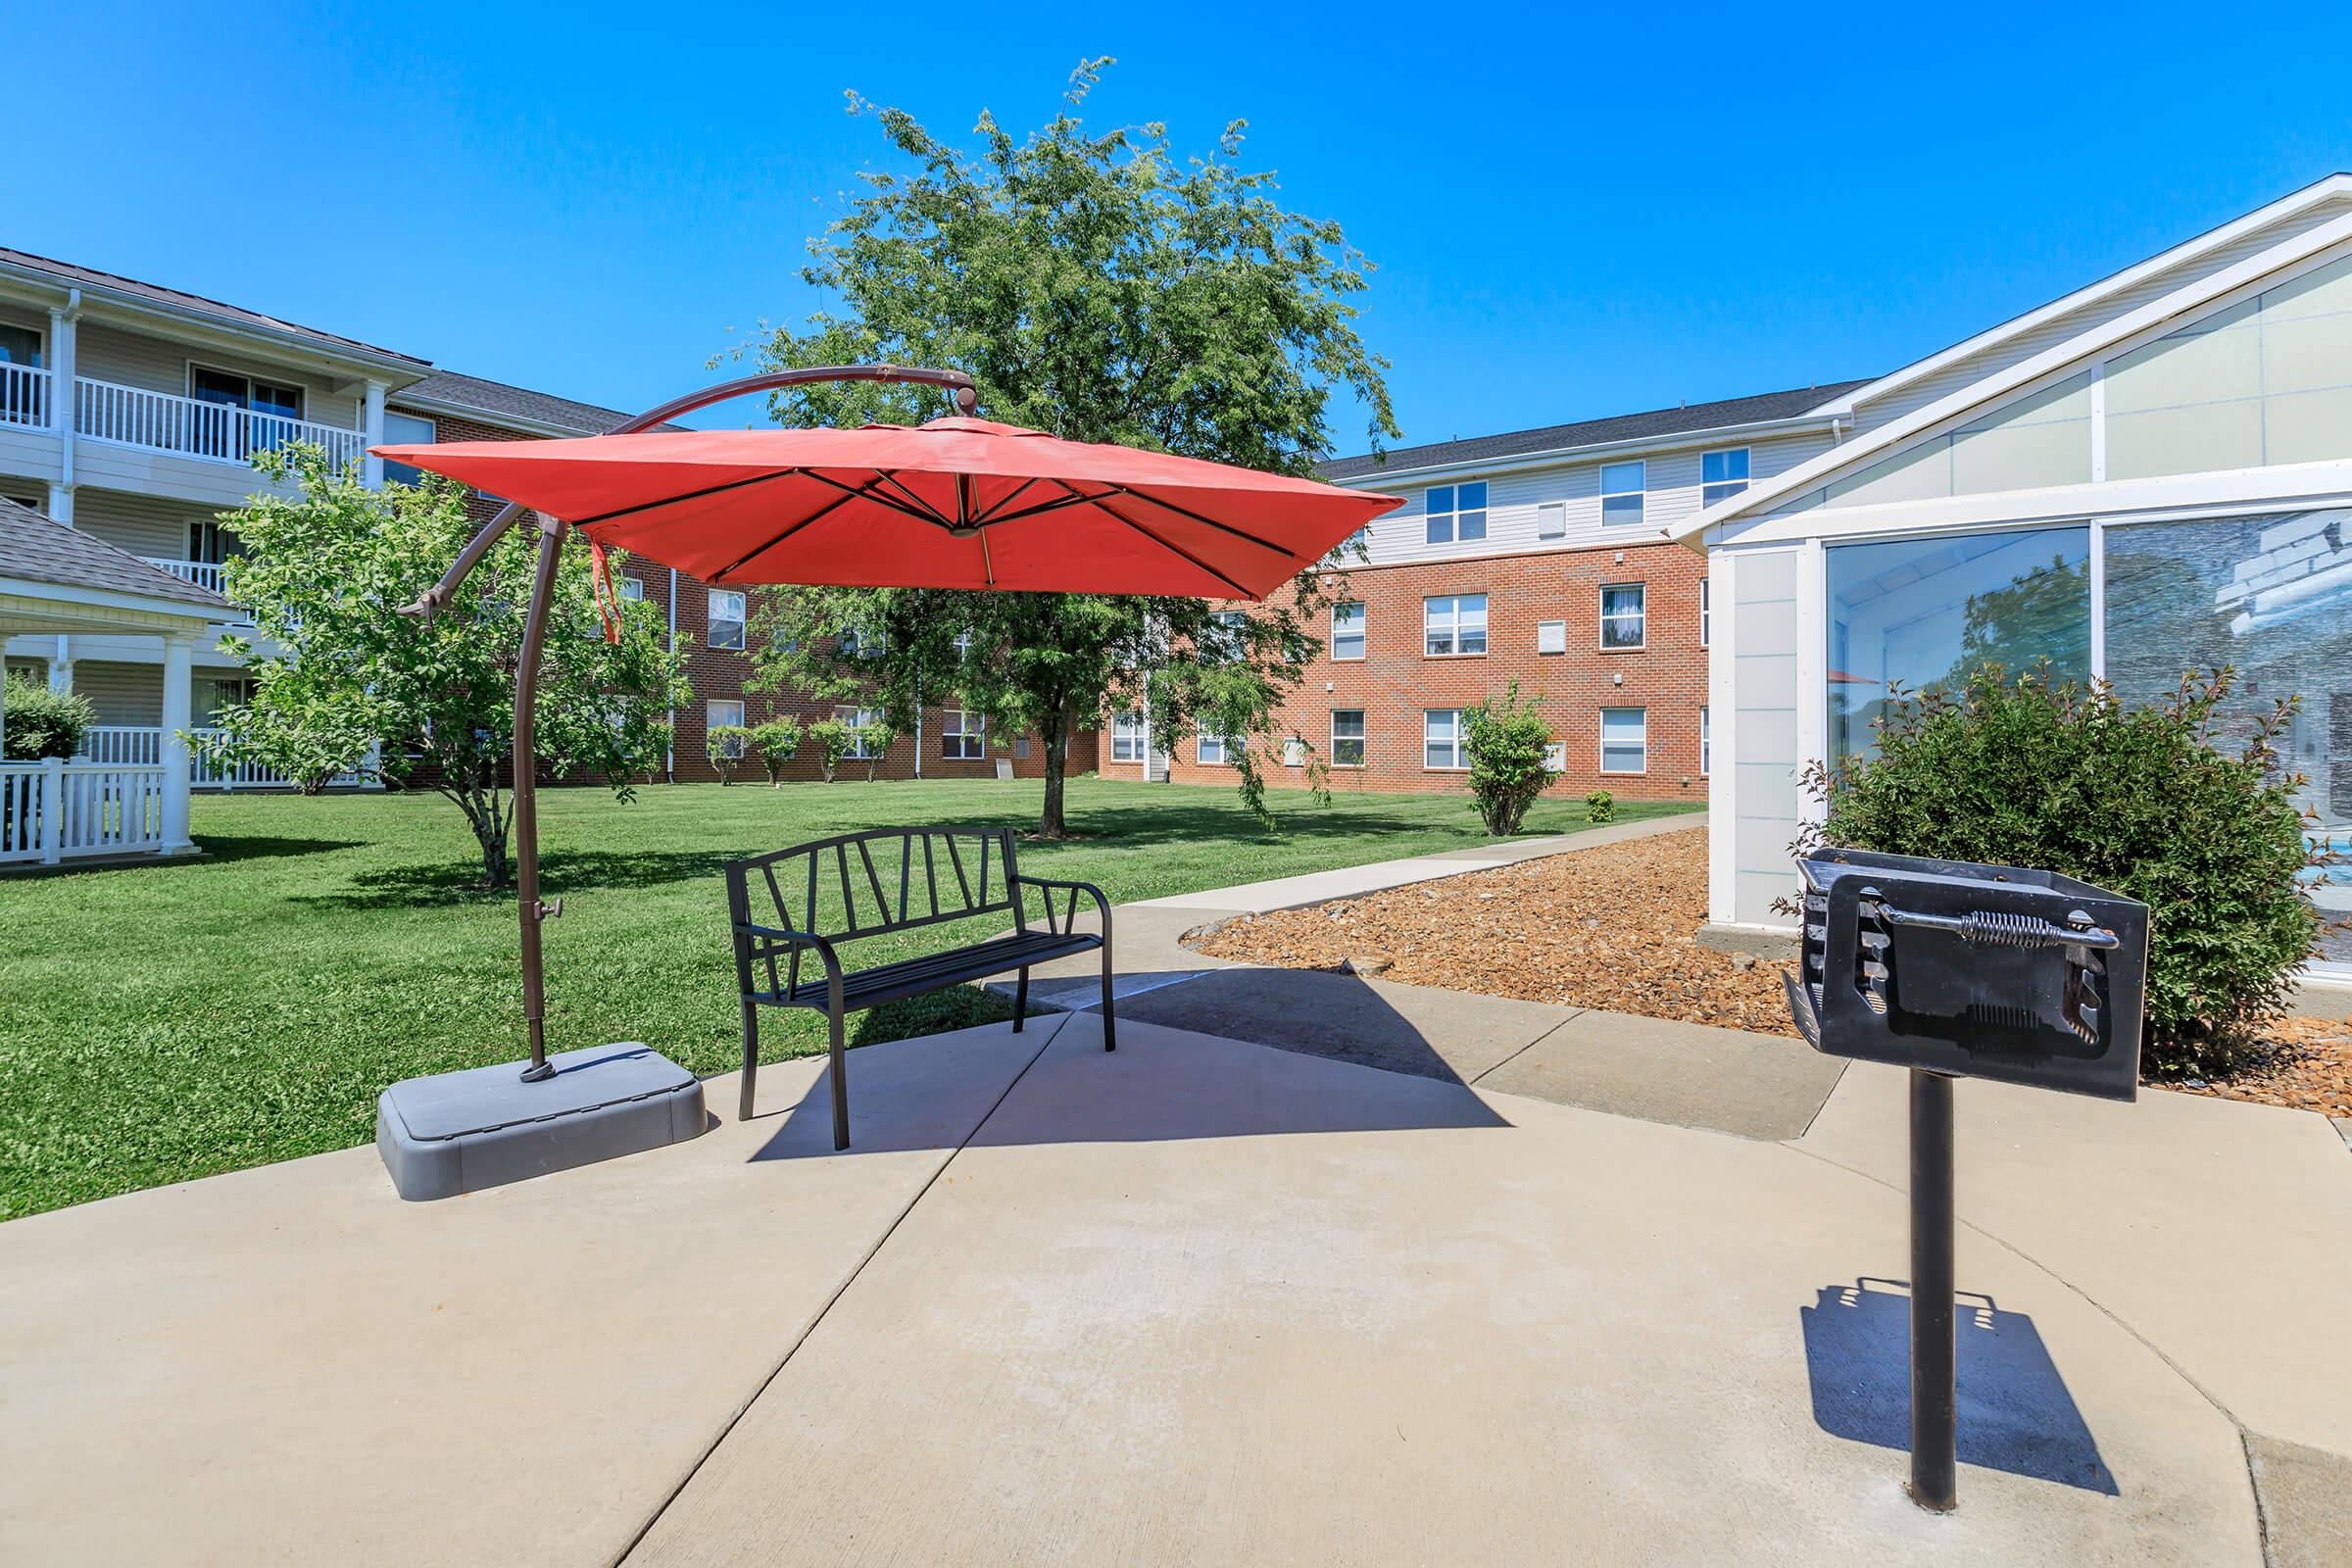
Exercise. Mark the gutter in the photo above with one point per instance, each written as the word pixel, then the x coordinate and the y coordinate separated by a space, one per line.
pixel 1554 457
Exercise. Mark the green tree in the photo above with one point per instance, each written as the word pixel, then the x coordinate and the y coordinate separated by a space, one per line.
pixel 1096 287
pixel 325 569
pixel 1507 742
pixel 776 742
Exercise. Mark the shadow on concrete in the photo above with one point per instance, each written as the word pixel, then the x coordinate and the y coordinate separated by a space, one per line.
pixel 2016 1413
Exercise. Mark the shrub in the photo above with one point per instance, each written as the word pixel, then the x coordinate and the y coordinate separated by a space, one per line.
pixel 2137 800
pixel 41 723
pixel 726 743
pixel 1600 806
pixel 832 738
pixel 875 740
pixel 776 742
pixel 1507 742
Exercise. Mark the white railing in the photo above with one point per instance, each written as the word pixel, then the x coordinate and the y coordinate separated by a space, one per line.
pixel 25 395
pixel 163 421
pixel 52 811
pixel 203 574
pixel 142 746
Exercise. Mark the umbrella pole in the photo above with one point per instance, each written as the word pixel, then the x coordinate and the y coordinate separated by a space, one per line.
pixel 534 913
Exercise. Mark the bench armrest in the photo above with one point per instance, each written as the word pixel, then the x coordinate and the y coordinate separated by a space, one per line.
pixel 755 944
pixel 1070 915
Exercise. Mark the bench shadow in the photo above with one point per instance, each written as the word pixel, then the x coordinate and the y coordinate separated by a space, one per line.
pixel 2016 1414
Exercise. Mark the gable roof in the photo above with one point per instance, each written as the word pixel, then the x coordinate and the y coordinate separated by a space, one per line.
pixel 1655 424
pixel 500 403
pixel 35 549
pixel 69 275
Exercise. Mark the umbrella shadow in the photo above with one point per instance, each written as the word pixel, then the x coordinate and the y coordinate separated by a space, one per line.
pixel 565 871
pixel 2016 1413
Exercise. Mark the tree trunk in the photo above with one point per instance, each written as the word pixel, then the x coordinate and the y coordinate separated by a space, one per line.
pixel 490 833
pixel 1051 822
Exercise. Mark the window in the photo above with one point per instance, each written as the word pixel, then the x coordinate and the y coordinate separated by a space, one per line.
pixel 1442 738
pixel 273 405
pixel 1127 738
pixel 964 643
pixel 1226 636
pixel 1214 749
pixel 866 739
pixel 212 542
pixel 1621 486
pixel 1722 475
pixel 1920 613
pixel 1347 631
pixel 1347 737
pixel 629 588
pixel 22 399
pixel 1624 740
pixel 1551 636
pixel 1551 519
pixel 721 714
pixel 2042 438
pixel 1453 512
pixel 856 643
pixel 1454 623
pixel 1705 605
pixel 20 345
pixel 407 430
pixel 727 615
pixel 1622 614
pixel 1706 742
pixel 962 736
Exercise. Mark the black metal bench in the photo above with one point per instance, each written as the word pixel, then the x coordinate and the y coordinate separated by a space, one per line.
pixel 880 882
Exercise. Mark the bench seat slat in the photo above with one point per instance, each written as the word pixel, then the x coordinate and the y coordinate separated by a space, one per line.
pixel 908 977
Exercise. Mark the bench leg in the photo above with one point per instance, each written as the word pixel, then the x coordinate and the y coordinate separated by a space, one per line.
pixel 751 1057
pixel 1110 1022
pixel 1020 1001
pixel 841 1087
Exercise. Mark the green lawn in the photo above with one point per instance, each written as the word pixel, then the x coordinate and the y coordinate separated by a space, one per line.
pixel 167 1022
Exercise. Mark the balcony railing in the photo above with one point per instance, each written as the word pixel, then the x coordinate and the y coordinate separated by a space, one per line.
pixel 52 811
pixel 25 395
pixel 162 422
pixel 203 574
pixel 142 746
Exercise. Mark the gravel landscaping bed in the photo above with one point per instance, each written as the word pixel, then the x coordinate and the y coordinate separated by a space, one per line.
pixel 1614 928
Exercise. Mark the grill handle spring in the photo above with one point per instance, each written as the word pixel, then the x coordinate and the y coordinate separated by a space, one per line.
pixel 1990 929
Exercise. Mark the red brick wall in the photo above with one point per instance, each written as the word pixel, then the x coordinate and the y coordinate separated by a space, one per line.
pixel 1396 681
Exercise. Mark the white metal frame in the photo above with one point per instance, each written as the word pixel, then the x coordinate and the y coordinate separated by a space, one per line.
pixel 1454 626
pixel 1640 492
pixel 1363 632
pixel 969 730
pixel 1729 487
pixel 1454 742
pixel 1640 616
pixel 1362 737
pixel 1453 516
pixel 742 619
pixel 1601 748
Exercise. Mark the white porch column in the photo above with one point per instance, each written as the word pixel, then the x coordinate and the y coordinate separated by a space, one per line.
pixel 65 358
pixel 61 665
pixel 180 659
pixel 371 469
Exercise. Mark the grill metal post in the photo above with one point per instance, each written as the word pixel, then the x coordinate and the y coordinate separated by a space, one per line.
pixel 1934 1409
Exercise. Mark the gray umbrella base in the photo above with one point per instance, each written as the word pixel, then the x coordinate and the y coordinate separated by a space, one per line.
pixel 459 1132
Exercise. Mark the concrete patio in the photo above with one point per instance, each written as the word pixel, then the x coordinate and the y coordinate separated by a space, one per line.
pixel 1199 1300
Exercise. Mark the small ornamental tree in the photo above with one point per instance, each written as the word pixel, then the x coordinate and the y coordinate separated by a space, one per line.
pixel 776 743
pixel 873 738
pixel 2068 778
pixel 1506 742
pixel 41 723
pixel 831 738
pixel 324 570
pixel 726 744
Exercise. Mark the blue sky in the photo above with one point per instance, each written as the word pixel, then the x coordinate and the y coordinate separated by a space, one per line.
pixel 1571 217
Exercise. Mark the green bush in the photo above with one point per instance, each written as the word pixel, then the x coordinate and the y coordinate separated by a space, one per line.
pixel 43 723
pixel 726 743
pixel 832 738
pixel 776 742
pixel 1600 806
pixel 2137 800
pixel 1506 742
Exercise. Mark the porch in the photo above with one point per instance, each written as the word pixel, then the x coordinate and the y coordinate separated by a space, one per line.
pixel 164 422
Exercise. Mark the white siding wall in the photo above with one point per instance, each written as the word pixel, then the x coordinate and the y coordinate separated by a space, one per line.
pixel 122 694
pixel 1765 720
pixel 1512 498
pixel 106 353
pixel 145 525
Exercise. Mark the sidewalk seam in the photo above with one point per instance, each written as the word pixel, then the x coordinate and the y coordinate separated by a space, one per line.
pixel 1529 1045
pixel 790 1351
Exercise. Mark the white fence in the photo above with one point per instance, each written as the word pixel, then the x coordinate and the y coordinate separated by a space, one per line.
pixel 203 574
pixel 163 421
pixel 53 811
pixel 142 746
pixel 25 395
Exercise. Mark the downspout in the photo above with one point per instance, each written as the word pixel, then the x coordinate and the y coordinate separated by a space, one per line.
pixel 669 753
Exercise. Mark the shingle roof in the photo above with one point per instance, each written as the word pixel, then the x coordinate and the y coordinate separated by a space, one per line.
pixel 89 278
pixel 1659 422
pixel 494 399
pixel 37 550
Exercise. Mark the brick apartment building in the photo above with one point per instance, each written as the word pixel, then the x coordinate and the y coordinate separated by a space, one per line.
pixel 1535 556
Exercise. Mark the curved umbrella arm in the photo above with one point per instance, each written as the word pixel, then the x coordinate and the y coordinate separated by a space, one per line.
pixel 965 391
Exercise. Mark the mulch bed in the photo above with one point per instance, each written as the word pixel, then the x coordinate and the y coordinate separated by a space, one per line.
pixel 1614 928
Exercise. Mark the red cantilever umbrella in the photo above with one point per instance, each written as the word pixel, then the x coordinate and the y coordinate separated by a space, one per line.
pixel 957 503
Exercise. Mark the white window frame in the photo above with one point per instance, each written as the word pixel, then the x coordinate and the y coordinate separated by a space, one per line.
pixel 857 718
pixel 1453 513
pixel 403 473
pixel 1551 636
pixel 1212 751
pixel 1618 489
pixel 1640 617
pixel 1362 632
pixel 1707 741
pixel 1705 608
pixel 1126 737
pixel 742 617
pixel 962 735
pixel 1711 491
pixel 1452 743
pixel 1624 772
pixel 1362 737
pixel 1452 626
pixel 711 719
pixel 628 589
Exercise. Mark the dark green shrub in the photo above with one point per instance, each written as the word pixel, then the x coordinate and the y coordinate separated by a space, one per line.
pixel 832 739
pixel 2138 799
pixel 725 745
pixel 43 723
pixel 777 742
pixel 1506 742
pixel 1600 806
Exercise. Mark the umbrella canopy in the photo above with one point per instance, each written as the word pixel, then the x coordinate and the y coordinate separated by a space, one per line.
pixel 957 503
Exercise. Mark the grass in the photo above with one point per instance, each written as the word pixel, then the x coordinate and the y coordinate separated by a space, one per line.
pixel 173 1021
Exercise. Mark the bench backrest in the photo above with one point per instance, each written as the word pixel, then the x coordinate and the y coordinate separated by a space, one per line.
pixel 883 880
